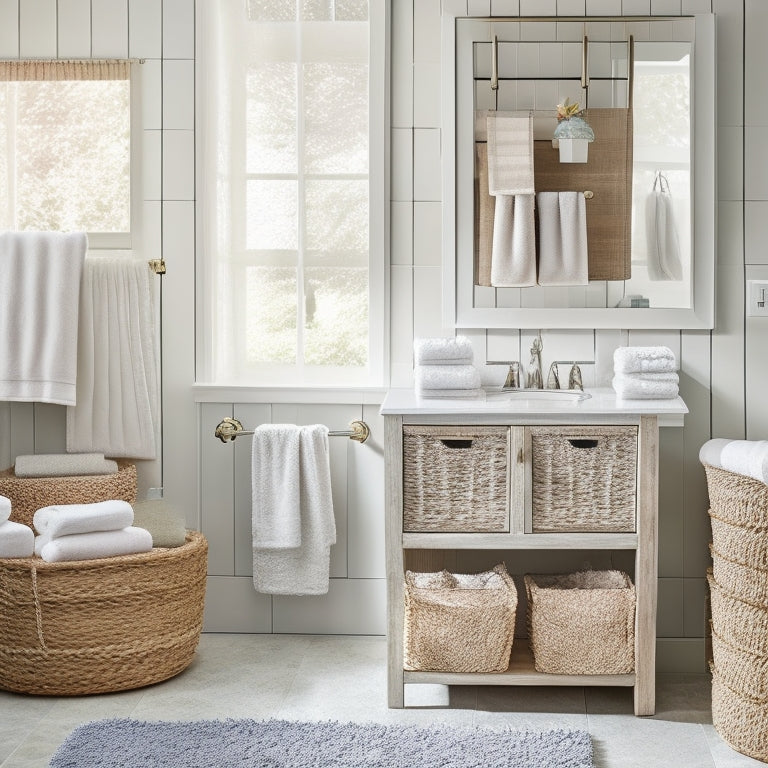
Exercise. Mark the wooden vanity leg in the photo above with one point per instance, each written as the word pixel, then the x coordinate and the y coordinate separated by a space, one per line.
pixel 646 566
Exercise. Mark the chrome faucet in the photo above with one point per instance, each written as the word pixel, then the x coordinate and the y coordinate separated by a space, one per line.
pixel 534 379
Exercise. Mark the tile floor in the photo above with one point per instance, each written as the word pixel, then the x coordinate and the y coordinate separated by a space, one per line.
pixel 344 678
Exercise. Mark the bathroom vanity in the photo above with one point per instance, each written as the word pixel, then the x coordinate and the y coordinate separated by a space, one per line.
pixel 518 429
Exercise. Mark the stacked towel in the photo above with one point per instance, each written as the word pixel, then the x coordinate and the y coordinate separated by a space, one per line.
pixel 63 465
pixel 745 457
pixel 16 540
pixel 444 368
pixel 645 373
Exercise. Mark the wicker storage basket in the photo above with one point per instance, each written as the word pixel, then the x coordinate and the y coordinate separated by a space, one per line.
pixel 740 580
pixel 742 671
pixel 738 622
pixel 455 479
pixel 28 494
pixel 583 478
pixel 582 623
pixel 458 622
pixel 740 543
pixel 93 626
pixel 737 499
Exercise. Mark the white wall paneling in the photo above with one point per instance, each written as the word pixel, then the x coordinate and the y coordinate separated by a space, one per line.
pixel 233 605
pixel 179 95
pixel 178 29
pixel 37 29
pixel 178 165
pixel 109 25
pixel 74 29
pixel 145 30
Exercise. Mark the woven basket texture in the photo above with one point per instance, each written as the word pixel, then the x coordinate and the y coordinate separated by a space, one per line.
pixel 455 479
pixel 740 720
pixel 582 623
pixel 737 499
pixel 742 671
pixel 93 626
pixel 740 543
pixel 28 494
pixel 737 621
pixel 743 581
pixel 458 622
pixel 584 478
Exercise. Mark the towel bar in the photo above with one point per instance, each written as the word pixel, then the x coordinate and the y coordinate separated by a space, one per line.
pixel 229 429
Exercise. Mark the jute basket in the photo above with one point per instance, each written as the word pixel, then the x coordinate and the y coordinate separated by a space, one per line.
pixel 584 478
pixel 743 581
pixel 28 494
pixel 93 626
pixel 740 543
pixel 738 622
pixel 459 622
pixel 737 499
pixel 455 479
pixel 582 623
pixel 742 671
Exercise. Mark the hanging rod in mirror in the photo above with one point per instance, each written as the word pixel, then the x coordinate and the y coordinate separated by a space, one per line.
pixel 229 429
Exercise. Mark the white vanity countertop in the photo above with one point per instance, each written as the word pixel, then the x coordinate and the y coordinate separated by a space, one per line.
pixel 601 403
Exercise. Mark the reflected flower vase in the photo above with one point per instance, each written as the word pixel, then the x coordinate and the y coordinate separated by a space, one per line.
pixel 574 136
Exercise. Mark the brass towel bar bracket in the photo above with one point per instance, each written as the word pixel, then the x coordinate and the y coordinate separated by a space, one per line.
pixel 229 429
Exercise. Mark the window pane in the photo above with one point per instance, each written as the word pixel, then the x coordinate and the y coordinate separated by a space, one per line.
pixel 351 10
pixel 336 325
pixel 272 220
pixel 337 215
pixel 336 118
pixel 271 314
pixel 316 10
pixel 272 10
pixel 271 118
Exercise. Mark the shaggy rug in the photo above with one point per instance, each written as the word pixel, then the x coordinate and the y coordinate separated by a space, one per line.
pixel 283 744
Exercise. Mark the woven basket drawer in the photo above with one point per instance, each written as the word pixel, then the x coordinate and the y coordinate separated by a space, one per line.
pixel 455 479
pixel 583 479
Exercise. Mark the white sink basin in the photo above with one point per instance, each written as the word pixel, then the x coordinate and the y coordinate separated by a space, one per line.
pixel 554 395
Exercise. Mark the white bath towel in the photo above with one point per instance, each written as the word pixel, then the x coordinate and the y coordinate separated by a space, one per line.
pixel 67 519
pixel 5 508
pixel 631 388
pixel 670 376
pixel 16 540
pixel 513 254
pixel 117 388
pixel 92 546
pixel 663 241
pixel 510 153
pixel 745 457
pixel 450 394
pixel 439 351
pixel 39 295
pixel 712 451
pixel 563 252
pixel 644 360
pixel 446 377
pixel 302 570
pixel 63 465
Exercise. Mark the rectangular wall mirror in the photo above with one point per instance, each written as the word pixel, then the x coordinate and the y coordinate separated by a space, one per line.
pixel 645 226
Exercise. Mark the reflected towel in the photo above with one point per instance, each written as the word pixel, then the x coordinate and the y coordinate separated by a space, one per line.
pixel 563 253
pixel 63 465
pixel 631 388
pixel 661 231
pixel 513 258
pixel 644 360
pixel 439 351
pixel 91 546
pixel 430 377
pixel 16 540
pixel 68 519
pixel 510 154
pixel 450 394
pixel 484 211
pixel 5 508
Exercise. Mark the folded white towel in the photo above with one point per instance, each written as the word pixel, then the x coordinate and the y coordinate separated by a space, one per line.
pixel 747 457
pixel 450 394
pixel 16 540
pixel 39 295
pixel 438 351
pixel 91 546
pixel 63 465
pixel 563 253
pixel 5 508
pixel 712 451
pixel 630 388
pixel 510 153
pixel 446 377
pixel 68 519
pixel 513 254
pixel 670 376
pixel 644 360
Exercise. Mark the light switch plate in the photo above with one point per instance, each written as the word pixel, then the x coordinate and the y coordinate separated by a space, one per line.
pixel 757 298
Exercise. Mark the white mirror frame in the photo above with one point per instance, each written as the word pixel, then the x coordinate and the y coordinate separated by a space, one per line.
pixel 458 309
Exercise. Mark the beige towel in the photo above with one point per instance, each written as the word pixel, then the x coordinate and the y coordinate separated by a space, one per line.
pixel 513 261
pixel 510 154
pixel 484 206
pixel 563 256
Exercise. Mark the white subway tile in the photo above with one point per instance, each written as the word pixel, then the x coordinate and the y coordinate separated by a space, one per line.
pixel 603 7
pixel 506 96
pixel 402 63
pixel 756 156
pixel 74 28
pixel 179 236
pixel 528 59
pixel 730 69
pixel 401 233
pixel 426 95
pixel 145 29
pixel 600 59
pixel 426 30
pixel 9 28
pixel 505 7
pixel 179 29
pixel 426 164
pixel 151 88
pixel 635 7
pixel 479 7
pixel 670 608
pixel 666 7
pixel 507 53
pixel 151 243
pixel 697 6
pixel 571 32
pixel 152 164
pixel 538 7
pixel 571 7
pixel 178 165
pixel 546 95
pixel 401 314
pixel 178 94
pixel 427 303
pixel 732 219
pixel 402 164
pixel 551 60
pixel 756 232
pixel 37 29
pixel 427 234
pixel 109 28
pixel 538 30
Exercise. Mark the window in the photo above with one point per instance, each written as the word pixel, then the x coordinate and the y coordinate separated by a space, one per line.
pixel 65 148
pixel 291 192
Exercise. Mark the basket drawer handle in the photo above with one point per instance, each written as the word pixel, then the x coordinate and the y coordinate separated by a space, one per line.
pixel 455 442
pixel 583 443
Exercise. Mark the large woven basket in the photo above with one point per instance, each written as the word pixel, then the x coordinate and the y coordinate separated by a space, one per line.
pixel 28 494
pixel 737 621
pixel 742 671
pixel 582 623
pixel 93 626
pixel 740 543
pixel 458 622
pixel 737 499
pixel 739 579
pixel 583 478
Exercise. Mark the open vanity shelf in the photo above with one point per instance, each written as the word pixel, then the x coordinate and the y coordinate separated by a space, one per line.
pixel 410 548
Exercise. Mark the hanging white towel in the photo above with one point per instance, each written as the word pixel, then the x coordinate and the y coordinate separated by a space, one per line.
pixel 303 569
pixel 117 388
pixel 39 292
pixel 510 153
pixel 661 231
pixel 513 256
pixel 563 254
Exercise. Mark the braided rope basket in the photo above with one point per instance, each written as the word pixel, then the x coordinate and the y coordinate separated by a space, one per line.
pixel 93 626
pixel 737 499
pixel 737 578
pixel 738 622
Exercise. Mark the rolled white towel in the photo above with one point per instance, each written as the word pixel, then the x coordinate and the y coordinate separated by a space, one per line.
pixel 439 351
pixel 447 377
pixel 630 388
pixel 5 508
pixel 63 465
pixel 16 540
pixel 747 457
pixel 91 546
pixel 712 451
pixel 68 519
pixel 644 360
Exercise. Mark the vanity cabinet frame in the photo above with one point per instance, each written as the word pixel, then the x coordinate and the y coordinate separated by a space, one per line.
pixel 400 547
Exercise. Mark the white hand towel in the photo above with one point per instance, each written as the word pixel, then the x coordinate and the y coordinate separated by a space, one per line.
pixel 39 294
pixel 63 465
pixel 91 546
pixel 304 570
pixel 712 451
pixel 446 377
pixel 67 519
pixel 747 457
pixel 16 540
pixel 513 255
pixel 117 389
pixel 438 351
pixel 563 253
pixel 663 241
pixel 630 388
pixel 5 508
pixel 644 360
pixel 510 154
pixel 669 376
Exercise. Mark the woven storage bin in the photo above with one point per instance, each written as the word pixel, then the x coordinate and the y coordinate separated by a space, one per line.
pixel 738 622
pixel 742 671
pixel 455 479
pixel 742 581
pixel 582 623
pixel 740 543
pixel 737 499
pixel 28 494
pixel 740 720
pixel 93 626
pixel 583 478
pixel 458 622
